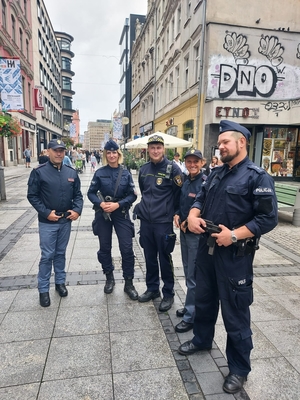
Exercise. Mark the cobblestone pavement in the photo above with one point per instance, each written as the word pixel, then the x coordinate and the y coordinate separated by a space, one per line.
pixel 96 346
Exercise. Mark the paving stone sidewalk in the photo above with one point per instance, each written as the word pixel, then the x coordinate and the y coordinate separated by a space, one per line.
pixel 97 346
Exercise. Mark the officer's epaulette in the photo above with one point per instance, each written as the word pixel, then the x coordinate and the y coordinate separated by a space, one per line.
pixel 40 166
pixel 69 166
pixel 259 170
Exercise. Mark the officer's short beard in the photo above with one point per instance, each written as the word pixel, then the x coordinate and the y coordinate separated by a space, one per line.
pixel 229 157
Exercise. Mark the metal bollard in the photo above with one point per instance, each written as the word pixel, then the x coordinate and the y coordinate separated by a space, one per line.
pixel 2 185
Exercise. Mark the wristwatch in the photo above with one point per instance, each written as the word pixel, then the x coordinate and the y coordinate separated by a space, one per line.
pixel 233 237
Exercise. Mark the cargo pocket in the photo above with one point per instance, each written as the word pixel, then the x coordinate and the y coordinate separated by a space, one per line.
pixel 94 227
pixel 240 293
pixel 170 240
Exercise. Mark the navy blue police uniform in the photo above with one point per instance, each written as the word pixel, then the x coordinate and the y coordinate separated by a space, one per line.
pixel 160 186
pixel 189 242
pixel 242 195
pixel 105 180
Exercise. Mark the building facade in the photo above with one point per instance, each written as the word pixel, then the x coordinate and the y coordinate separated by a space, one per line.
pixel 16 42
pixel 97 134
pixel 131 30
pixel 196 62
pixel 64 42
pixel 47 75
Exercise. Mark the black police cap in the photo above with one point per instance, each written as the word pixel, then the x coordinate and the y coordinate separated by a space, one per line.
pixel 226 125
pixel 111 145
pixel 56 144
pixel 193 152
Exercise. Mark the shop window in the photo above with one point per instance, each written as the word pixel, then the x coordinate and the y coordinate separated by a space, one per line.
pixel 279 151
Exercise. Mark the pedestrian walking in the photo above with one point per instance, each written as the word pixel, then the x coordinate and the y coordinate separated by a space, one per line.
pixel 54 191
pixel 112 193
pixel 160 181
pixel 188 240
pixel 93 162
pixel 239 199
pixel 27 156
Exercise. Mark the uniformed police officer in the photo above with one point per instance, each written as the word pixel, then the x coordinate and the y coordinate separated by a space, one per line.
pixel 54 191
pixel 160 182
pixel 239 198
pixel 112 192
pixel 188 240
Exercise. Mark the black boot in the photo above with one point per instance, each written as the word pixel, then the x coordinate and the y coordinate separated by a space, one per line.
pixel 110 283
pixel 130 289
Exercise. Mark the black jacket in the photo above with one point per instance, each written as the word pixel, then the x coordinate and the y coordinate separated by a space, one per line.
pixel 50 188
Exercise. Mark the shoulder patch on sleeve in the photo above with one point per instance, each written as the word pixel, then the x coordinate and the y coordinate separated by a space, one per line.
pixel 178 180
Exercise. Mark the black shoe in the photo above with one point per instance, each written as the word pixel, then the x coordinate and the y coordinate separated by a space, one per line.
pixel 184 326
pixel 147 296
pixel 110 283
pixel 166 304
pixel 233 383
pixel 62 290
pixel 130 289
pixel 189 348
pixel 44 299
pixel 180 313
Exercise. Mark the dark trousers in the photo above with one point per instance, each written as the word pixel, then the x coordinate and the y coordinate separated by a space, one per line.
pixel 125 232
pixel 158 242
pixel 226 279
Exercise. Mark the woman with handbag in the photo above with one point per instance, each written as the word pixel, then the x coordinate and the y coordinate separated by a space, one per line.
pixel 112 193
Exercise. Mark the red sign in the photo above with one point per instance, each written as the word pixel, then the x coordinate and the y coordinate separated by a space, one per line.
pixel 38 98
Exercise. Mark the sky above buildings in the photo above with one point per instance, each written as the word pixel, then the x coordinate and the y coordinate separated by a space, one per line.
pixel 96 26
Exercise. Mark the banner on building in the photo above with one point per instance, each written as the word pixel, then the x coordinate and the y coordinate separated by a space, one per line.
pixel 72 130
pixel 117 128
pixel 11 84
pixel 38 102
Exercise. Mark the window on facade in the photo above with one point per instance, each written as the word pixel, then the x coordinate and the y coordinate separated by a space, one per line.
pixel 186 72
pixel 40 43
pixel 45 78
pixel 66 83
pixel 173 30
pixel 41 74
pixel 177 74
pixel 43 19
pixel 197 62
pixel 171 87
pixel 66 63
pixel 27 49
pixel 67 102
pixel 13 28
pixel 167 39
pixel 23 92
pixel 178 20
pixel 3 14
pixel 44 49
pixel 157 97
pixel 21 39
pixel 39 10
pixel 25 8
pixel 158 55
pixel 29 98
pixel 64 44
pixel 188 9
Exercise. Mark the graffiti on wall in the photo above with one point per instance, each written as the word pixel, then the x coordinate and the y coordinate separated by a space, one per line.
pixel 260 74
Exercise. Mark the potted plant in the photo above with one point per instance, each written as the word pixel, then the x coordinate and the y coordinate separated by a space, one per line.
pixel 9 126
